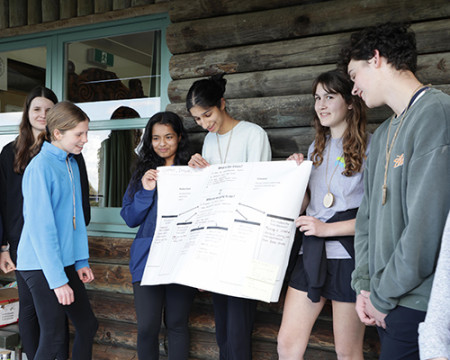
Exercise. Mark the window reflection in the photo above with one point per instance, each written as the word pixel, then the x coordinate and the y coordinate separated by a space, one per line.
pixel 110 156
pixel 20 72
pixel 114 68
pixel 103 75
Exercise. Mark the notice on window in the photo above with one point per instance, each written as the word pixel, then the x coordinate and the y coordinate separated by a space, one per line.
pixel 227 228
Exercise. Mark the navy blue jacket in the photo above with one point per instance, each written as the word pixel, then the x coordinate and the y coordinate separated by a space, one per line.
pixel 140 210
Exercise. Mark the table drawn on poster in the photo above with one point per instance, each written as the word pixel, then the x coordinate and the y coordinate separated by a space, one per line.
pixel 227 228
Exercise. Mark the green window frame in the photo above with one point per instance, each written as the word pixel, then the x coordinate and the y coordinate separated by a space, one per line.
pixel 104 221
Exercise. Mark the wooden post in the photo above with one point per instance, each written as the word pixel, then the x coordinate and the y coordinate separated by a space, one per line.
pixel 102 6
pixel 85 7
pixel 18 14
pixel 4 14
pixel 50 10
pixel 141 2
pixel 67 9
pixel 121 4
pixel 34 12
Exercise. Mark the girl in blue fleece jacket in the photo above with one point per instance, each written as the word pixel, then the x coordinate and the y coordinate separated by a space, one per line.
pixel 165 143
pixel 52 256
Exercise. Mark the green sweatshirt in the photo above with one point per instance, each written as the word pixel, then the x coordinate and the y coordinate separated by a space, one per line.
pixel 397 244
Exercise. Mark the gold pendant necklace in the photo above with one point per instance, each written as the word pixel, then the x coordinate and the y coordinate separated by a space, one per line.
pixel 391 146
pixel 328 199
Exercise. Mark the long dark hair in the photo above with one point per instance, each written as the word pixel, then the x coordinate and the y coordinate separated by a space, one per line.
pixel 26 140
pixel 206 93
pixel 148 158
pixel 354 140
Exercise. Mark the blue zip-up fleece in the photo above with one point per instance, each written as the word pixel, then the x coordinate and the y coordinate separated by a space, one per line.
pixel 48 241
pixel 141 209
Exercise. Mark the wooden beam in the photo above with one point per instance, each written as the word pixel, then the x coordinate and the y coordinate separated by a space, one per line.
pixel 85 7
pixel 4 14
pixel 18 14
pixel 111 278
pixel 109 250
pixel 102 6
pixel 182 10
pixel 272 112
pixel 34 12
pixel 87 20
pixel 324 49
pixel 67 9
pixel 121 4
pixel 50 10
pixel 295 22
pixel 432 68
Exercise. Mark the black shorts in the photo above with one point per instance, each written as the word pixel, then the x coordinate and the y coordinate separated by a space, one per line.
pixel 337 283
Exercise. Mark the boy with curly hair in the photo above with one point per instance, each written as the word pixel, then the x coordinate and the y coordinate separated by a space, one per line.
pixel 407 193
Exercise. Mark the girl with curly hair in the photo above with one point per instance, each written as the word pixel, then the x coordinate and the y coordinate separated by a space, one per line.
pixel 165 143
pixel 326 260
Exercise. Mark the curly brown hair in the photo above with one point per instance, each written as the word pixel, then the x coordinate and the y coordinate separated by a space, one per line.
pixel 354 140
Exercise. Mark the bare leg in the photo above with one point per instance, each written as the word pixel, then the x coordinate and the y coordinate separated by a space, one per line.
pixel 299 316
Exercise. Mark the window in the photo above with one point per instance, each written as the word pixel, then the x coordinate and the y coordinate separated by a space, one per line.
pixel 117 72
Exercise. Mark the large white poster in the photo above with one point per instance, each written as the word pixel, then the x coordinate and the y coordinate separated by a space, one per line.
pixel 227 228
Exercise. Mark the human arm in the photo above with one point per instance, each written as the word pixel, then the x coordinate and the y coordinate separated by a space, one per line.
pixel 64 294
pixel 197 161
pixel 311 226
pixel 136 207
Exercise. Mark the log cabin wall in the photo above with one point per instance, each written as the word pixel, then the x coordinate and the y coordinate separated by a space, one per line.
pixel 271 51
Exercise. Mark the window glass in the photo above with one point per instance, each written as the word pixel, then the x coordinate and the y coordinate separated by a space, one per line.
pixel 123 69
pixel 20 71
pixel 114 78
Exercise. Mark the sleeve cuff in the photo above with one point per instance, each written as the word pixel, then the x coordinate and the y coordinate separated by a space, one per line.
pixel 81 264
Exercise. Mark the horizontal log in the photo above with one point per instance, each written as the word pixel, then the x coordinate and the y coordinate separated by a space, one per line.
pixel 181 10
pixel 116 333
pixel 111 278
pixel 431 38
pixel 272 112
pixel 113 306
pixel 295 22
pixel 432 68
pixel 109 250
pixel 110 352
pixel 278 82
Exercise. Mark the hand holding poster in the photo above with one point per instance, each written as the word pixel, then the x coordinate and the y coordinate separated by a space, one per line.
pixel 227 228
